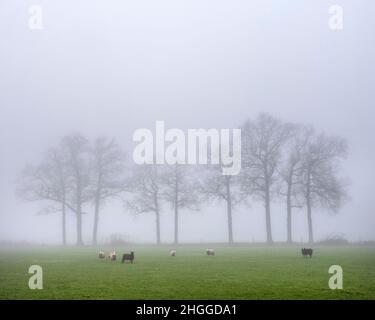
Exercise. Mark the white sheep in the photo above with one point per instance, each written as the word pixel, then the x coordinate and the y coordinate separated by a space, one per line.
pixel 101 254
pixel 172 253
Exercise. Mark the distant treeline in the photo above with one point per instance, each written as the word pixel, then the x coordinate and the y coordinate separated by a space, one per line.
pixel 280 160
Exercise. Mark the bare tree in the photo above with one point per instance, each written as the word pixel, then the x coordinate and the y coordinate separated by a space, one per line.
pixel 291 172
pixel 180 190
pixel 107 175
pixel 218 187
pixel 321 184
pixel 146 193
pixel 262 142
pixel 75 148
pixel 48 182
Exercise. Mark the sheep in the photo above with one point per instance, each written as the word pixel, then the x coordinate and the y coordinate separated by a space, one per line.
pixel 307 252
pixel 112 255
pixel 101 254
pixel 172 253
pixel 210 252
pixel 127 256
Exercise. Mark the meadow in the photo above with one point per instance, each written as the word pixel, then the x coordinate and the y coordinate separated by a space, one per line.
pixel 241 272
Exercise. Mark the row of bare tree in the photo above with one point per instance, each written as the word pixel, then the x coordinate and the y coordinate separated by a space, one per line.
pixel 279 161
pixel 74 175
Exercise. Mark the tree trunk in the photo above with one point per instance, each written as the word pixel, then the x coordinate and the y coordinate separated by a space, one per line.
pixel 157 227
pixel 157 216
pixel 96 220
pixel 176 209
pixel 79 225
pixel 309 219
pixel 289 213
pixel 308 205
pixel 176 224
pixel 229 212
pixel 63 212
pixel 79 211
pixel 267 201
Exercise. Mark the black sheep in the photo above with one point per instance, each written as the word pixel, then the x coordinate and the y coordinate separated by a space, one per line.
pixel 307 252
pixel 127 256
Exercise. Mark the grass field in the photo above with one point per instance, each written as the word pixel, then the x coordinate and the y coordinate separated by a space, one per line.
pixel 245 272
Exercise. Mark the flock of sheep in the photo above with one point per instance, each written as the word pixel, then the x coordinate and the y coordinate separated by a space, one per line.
pixel 210 252
pixel 130 256
pixel 113 256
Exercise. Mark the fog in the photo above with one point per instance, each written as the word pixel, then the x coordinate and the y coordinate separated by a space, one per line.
pixel 110 67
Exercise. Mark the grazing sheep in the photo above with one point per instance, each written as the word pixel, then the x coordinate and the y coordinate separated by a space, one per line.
pixel 210 252
pixel 172 253
pixel 127 256
pixel 112 255
pixel 101 254
pixel 307 252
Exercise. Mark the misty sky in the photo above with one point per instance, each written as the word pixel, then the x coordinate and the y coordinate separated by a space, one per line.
pixel 110 67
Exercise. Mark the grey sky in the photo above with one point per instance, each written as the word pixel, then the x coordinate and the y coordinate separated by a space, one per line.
pixel 110 67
